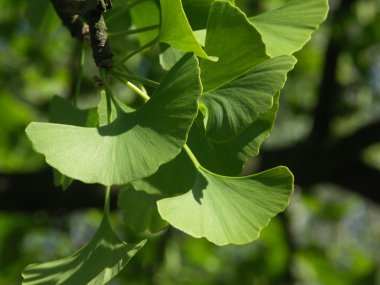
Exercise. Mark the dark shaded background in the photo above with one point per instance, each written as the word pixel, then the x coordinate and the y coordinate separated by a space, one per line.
pixel 327 132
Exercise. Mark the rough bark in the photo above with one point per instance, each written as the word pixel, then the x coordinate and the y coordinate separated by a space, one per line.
pixel 92 10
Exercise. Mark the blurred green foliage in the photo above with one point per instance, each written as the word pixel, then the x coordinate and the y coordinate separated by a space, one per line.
pixel 327 236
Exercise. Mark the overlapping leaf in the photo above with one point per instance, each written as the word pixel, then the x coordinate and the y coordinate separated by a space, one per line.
pixel 178 175
pixel 240 104
pixel 140 210
pixel 236 105
pixel 176 31
pixel 237 102
pixel 96 263
pixel 235 41
pixel 63 112
pixel 229 210
pixel 228 158
pixel 288 28
pixel 172 178
pixel 135 144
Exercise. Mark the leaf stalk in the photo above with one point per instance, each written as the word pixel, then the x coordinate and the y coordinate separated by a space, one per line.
pixel 107 198
pixel 142 80
pixel 80 72
pixel 192 156
pixel 136 51
pixel 103 76
pixel 137 90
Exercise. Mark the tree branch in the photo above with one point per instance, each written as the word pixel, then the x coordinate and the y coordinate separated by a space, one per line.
pixel 71 21
pixel 92 10
pixel 98 36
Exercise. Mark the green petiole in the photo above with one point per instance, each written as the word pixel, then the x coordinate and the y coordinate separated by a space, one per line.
pixel 136 51
pixel 80 72
pixel 109 96
pixel 107 199
pixel 129 76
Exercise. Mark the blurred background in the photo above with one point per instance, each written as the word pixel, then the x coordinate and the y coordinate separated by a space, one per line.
pixel 327 132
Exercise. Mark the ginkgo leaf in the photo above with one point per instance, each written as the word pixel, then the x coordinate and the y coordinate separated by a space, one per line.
pixel 234 40
pixel 135 144
pixel 236 105
pixel 287 29
pixel 140 210
pixel 176 31
pixel 229 210
pixel 228 158
pixel 63 112
pixel 95 264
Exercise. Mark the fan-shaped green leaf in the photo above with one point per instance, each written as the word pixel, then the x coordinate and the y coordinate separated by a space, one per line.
pixel 229 210
pixel 228 158
pixel 140 210
pixel 234 40
pixel 176 30
pixel 135 144
pixel 287 29
pixel 248 143
pixel 96 263
pixel 236 105
pixel 63 112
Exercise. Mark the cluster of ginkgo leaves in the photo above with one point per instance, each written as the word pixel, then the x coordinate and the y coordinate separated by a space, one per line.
pixel 179 157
